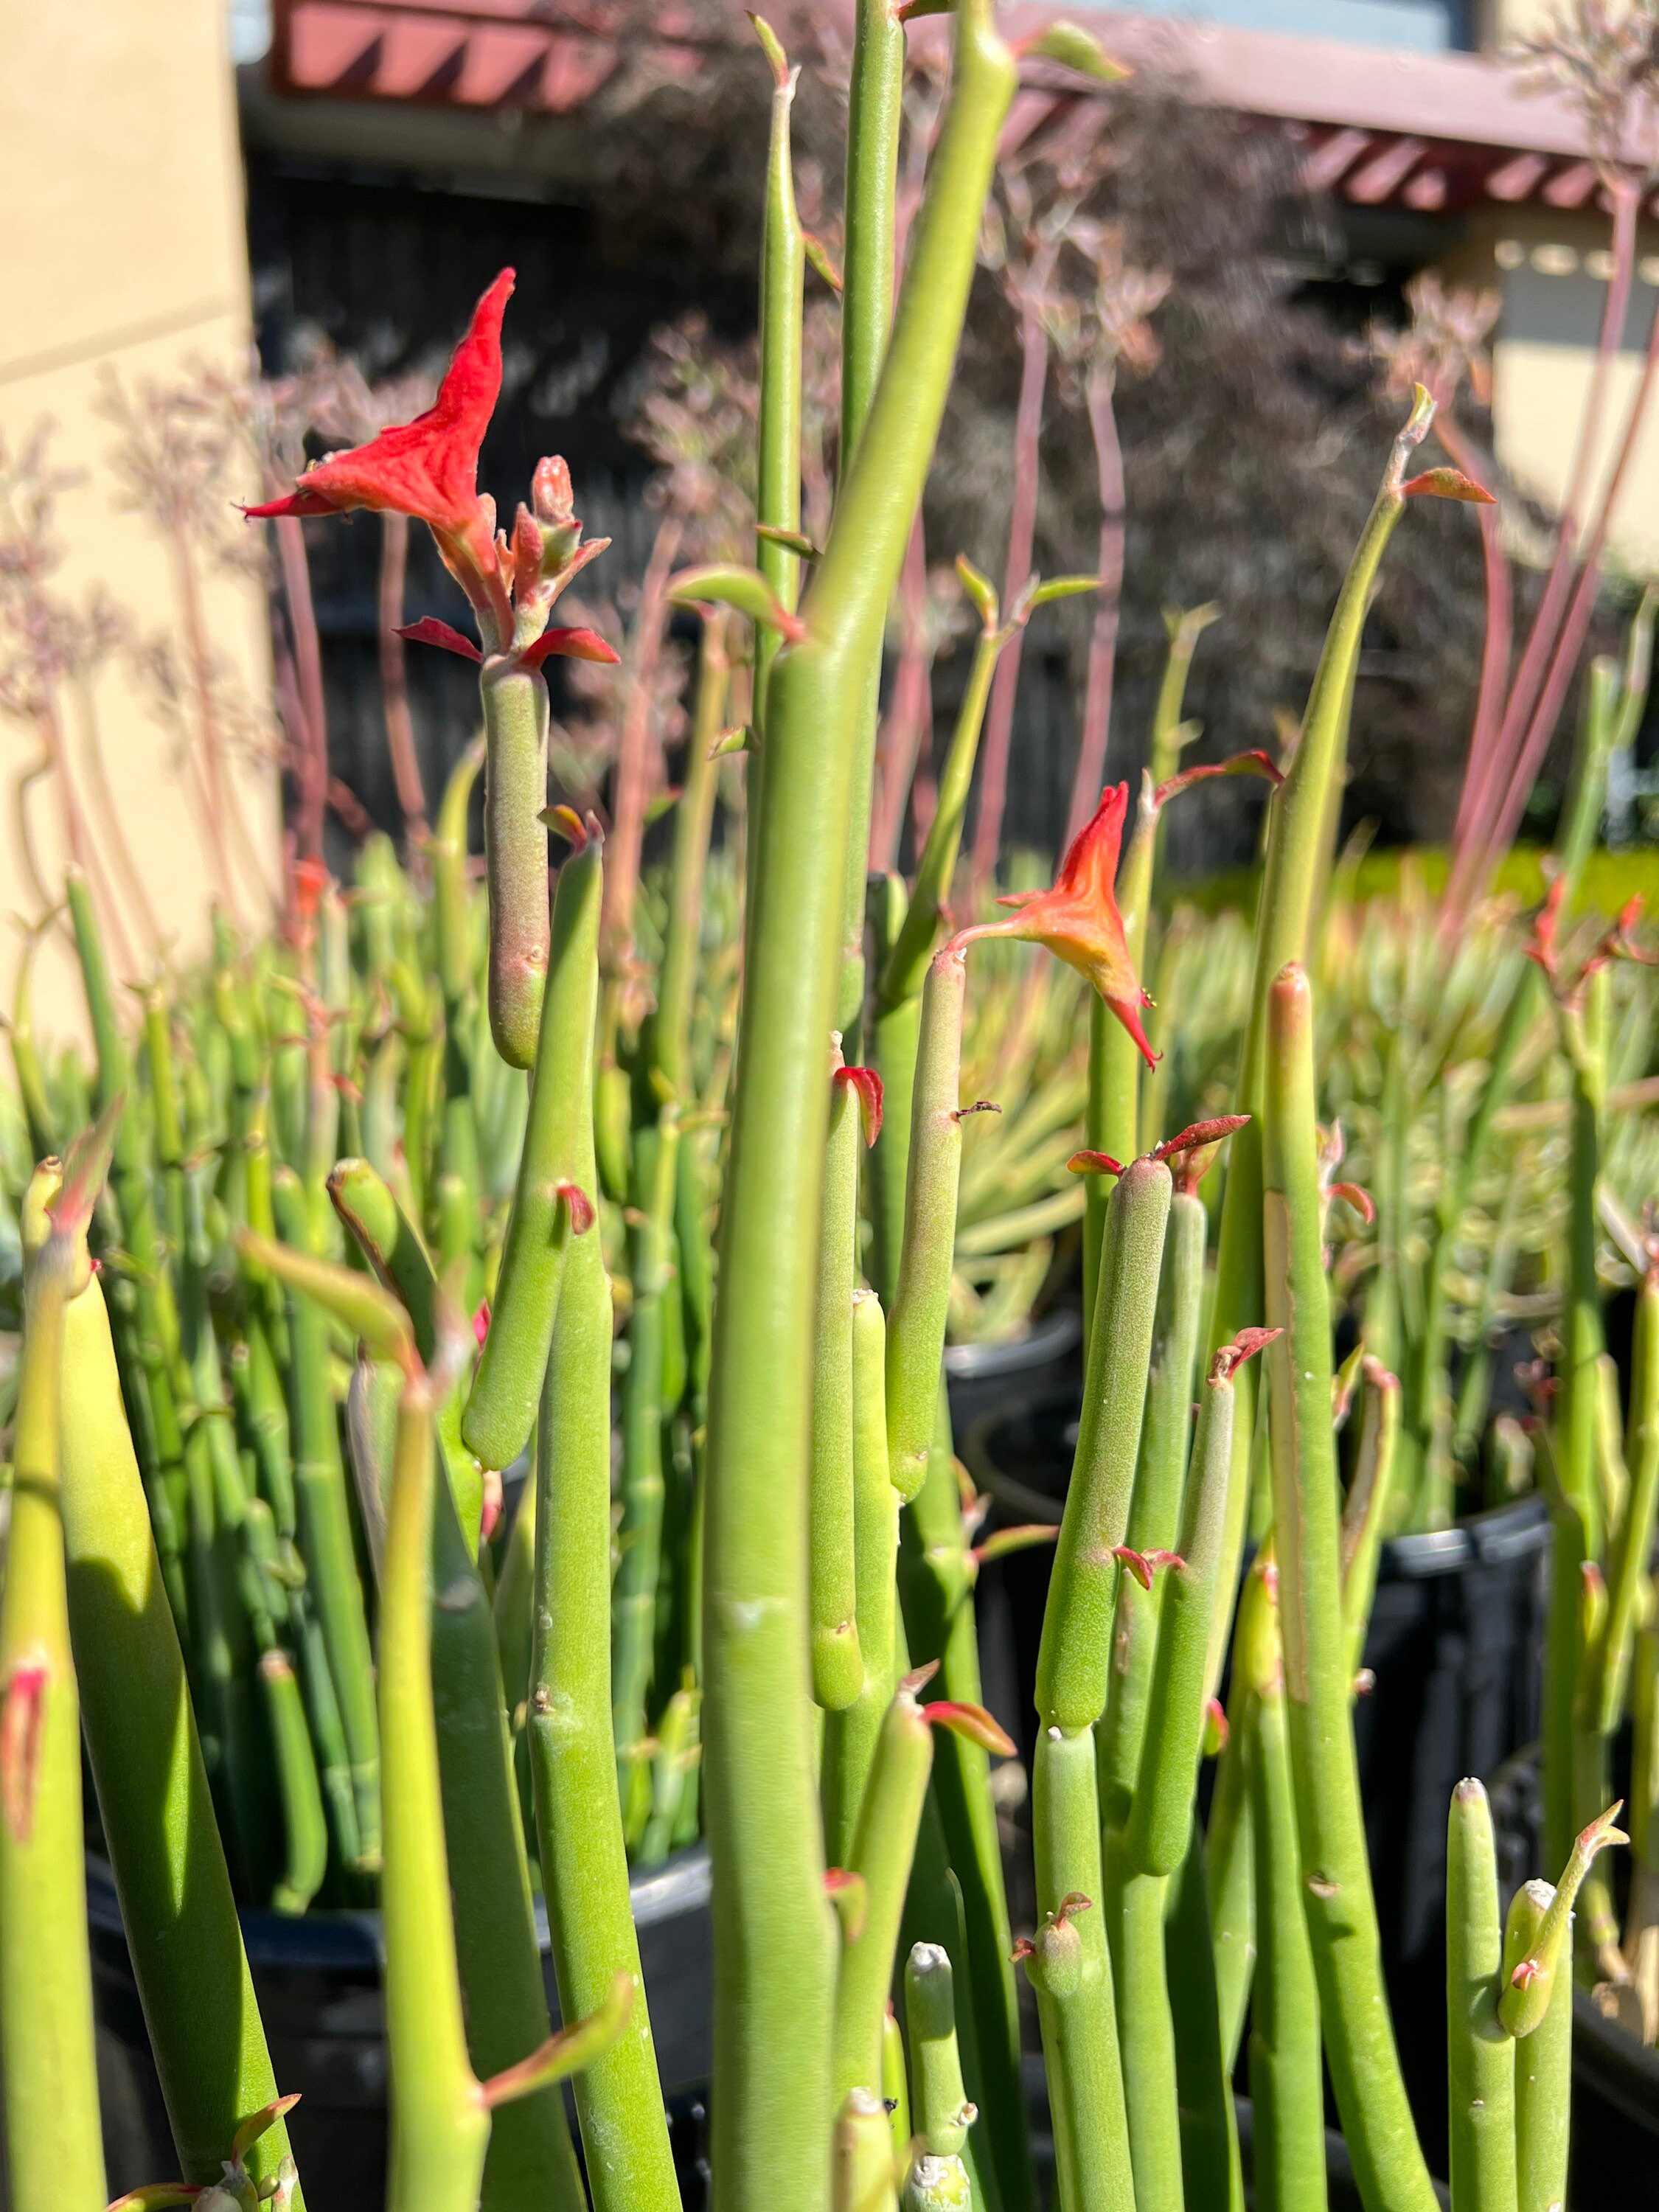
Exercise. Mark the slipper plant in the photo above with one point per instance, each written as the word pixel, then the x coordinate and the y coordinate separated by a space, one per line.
pixel 278 1235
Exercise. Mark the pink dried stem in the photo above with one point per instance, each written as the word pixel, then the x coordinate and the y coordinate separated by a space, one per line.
pixel 1030 293
pixel 910 710
pixel 1480 840
pixel 394 686
pixel 1498 647
pixel 1090 772
pixel 631 789
pixel 111 829
pixel 188 587
pixel 1547 712
pixel 311 736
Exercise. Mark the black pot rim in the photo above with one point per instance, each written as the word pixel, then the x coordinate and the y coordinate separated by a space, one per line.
pixel 340 1943
pixel 1520 1529
pixel 1048 1339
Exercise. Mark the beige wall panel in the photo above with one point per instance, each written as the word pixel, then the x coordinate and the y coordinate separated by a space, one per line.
pixel 123 249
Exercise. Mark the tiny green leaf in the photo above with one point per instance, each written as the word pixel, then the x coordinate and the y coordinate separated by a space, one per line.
pixel 818 254
pixel 1074 48
pixel 726 584
pixel 980 589
pixel 793 541
pixel 356 1302
pixel 739 738
pixel 772 47
pixel 1063 587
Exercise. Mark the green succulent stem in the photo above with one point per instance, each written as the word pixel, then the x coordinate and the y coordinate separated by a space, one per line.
pixel 54 2142
pixel 185 1942
pixel 1070 1967
pixel 1134 1908
pixel 850 1733
pixel 515 713
pixel 1155 1515
pixel 1075 1658
pixel 500 1408
pixel 1297 819
pixel 1480 2062
pixel 777 505
pixel 440 2129
pixel 771 2104
pixel 495 1928
pixel 874 113
pixel 1159 1823
pixel 916 1322
pixel 1542 2065
pixel 584 1861
pixel 837 1665
pixel 324 1526
pixel 1286 2081
pixel 883 1848
pixel 1341 1910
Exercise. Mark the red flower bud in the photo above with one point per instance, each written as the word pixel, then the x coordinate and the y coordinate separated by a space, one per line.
pixel 1077 919
pixel 429 468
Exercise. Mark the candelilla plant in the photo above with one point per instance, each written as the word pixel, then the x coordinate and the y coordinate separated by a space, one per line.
pixel 378 1196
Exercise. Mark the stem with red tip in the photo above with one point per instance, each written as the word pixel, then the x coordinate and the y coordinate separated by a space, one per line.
pixel 1297 819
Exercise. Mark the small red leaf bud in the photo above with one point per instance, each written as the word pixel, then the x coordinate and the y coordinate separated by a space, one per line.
pixel 971 1721
pixel 1094 1164
pixel 578 1204
pixel 867 1083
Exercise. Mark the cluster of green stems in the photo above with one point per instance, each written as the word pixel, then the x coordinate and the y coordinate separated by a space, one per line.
pixel 806 1679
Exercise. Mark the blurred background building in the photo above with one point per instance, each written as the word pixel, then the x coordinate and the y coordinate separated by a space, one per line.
pixel 350 173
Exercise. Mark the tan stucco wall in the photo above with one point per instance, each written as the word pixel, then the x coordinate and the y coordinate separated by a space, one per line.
pixel 122 245
pixel 1550 267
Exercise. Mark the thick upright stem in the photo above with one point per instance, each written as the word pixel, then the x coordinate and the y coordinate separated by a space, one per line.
pixel 1340 1909
pixel 186 1946
pixel 1480 2051
pixel 550 1204
pixel 771 2103
pixel 515 853
pixel 54 2142
pixel 874 110
pixel 440 2129
pixel 1297 819
pixel 572 1758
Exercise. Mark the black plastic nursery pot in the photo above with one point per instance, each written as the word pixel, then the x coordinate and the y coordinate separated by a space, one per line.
pixel 318 1980
pixel 1454 1648
pixel 984 1378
